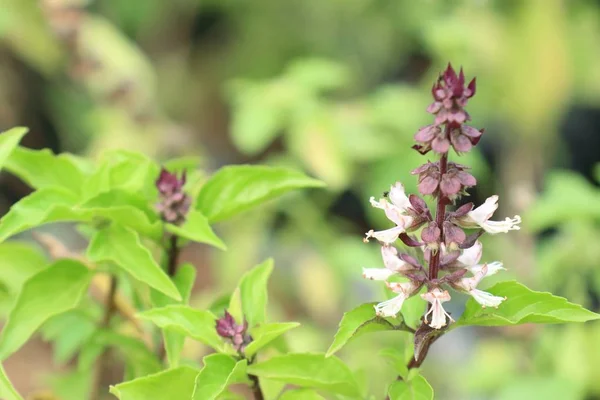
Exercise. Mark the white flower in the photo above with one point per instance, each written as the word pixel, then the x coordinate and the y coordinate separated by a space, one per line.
pixel 390 308
pixel 392 263
pixel 470 257
pixel 438 315
pixel 469 285
pixel 395 213
pixel 481 215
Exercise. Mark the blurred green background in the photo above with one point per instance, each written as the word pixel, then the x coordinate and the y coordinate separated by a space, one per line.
pixel 337 88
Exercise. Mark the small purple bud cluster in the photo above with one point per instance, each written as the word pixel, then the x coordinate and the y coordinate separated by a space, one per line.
pixel 237 334
pixel 448 253
pixel 174 203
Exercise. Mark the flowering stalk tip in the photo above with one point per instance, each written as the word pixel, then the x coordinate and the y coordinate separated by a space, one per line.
pixel 174 203
pixel 237 334
pixel 450 257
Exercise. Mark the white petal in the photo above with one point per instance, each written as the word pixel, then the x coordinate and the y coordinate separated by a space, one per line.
pixel 509 224
pixel 471 256
pixel 436 295
pixel 393 213
pixel 484 211
pixel 486 299
pixel 390 308
pixel 399 197
pixel 391 260
pixel 377 274
pixel 492 268
pixel 387 236
pixel 402 287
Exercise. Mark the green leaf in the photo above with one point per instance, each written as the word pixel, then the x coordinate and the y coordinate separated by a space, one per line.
pixel 173 384
pixel 264 334
pixel 237 188
pixel 126 208
pixel 416 389
pixel 43 169
pixel 309 370
pixel 40 207
pixel 7 391
pixel 355 323
pixel 9 140
pixel 197 229
pixel 69 331
pixel 49 292
pixel 301 394
pixel 550 388
pixel 184 281
pixel 18 262
pixel 523 305
pixel 253 291
pixel 122 246
pixel 219 372
pixel 197 324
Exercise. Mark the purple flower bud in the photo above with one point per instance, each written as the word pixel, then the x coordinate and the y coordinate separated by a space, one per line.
pixel 410 241
pixel 431 233
pixel 453 236
pixel 237 334
pixel 174 204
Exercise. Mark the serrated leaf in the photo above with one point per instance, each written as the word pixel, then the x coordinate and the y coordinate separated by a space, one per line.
pixel 197 324
pixel 122 246
pixel 7 391
pixel 264 334
pixel 219 372
pixel 43 169
pixel 173 384
pixel 415 389
pixel 253 291
pixel 237 188
pixel 355 323
pixel 197 229
pixel 40 207
pixel 184 281
pixel 523 305
pixel 309 370
pixel 301 394
pixel 9 140
pixel 49 292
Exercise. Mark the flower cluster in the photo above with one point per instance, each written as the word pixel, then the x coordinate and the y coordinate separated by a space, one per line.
pixel 237 334
pixel 450 257
pixel 174 203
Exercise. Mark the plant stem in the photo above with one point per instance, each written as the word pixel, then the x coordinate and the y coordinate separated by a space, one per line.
pixel 173 254
pixel 256 391
pixel 440 216
pixel 103 361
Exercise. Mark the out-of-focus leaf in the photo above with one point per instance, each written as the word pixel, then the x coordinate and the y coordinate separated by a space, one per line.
pixel 139 360
pixel 7 391
pixel 265 334
pixel 122 246
pixel 416 388
pixel 9 140
pixel 175 383
pixel 43 169
pixel 309 370
pixel 237 188
pixel 40 207
pixel 197 229
pixel 197 324
pixel 567 196
pixel 253 290
pixel 315 74
pixel 550 388
pixel 219 372
pixel 523 305
pixel 69 331
pixel 354 323
pixel 49 292
pixel 19 261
